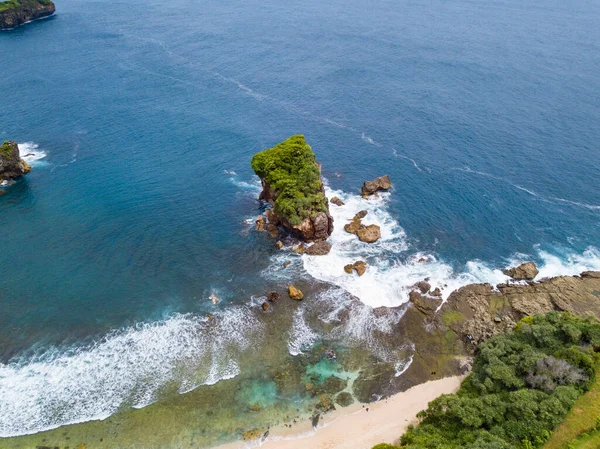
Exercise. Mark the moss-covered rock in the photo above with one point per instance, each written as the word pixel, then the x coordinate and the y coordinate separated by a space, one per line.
pixel 11 164
pixel 17 12
pixel 291 180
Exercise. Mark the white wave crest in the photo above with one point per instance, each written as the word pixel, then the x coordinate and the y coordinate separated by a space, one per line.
pixel 30 153
pixel 302 337
pixel 126 368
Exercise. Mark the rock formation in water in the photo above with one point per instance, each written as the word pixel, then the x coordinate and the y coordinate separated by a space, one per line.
pixel 11 164
pixel 371 187
pixel 365 233
pixel 14 13
pixel 291 181
pixel 524 272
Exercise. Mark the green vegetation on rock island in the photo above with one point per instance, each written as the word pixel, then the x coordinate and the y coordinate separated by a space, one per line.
pixel 291 170
pixel 522 386
pixel 17 12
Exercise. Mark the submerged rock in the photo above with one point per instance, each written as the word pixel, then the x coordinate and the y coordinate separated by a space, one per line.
pixel 11 164
pixel 18 12
pixel 273 296
pixel 525 272
pixel 381 183
pixel 291 179
pixel 318 249
pixel 253 434
pixel 344 399
pixel 295 293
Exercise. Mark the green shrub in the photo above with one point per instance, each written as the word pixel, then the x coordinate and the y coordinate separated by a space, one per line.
pixel 522 386
pixel 291 170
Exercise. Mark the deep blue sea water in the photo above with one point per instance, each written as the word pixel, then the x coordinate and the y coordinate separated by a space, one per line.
pixel 484 113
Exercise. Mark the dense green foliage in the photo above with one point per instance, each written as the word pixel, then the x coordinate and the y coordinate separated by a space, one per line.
pixel 12 4
pixel 5 149
pixel 522 386
pixel 291 170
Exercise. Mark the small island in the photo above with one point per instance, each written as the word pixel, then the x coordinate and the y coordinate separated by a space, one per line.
pixel 291 181
pixel 11 164
pixel 14 13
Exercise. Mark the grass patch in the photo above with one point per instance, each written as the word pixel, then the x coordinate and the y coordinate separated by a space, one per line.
pixel 5 149
pixel 451 317
pixel 291 170
pixel 582 418
pixel 14 4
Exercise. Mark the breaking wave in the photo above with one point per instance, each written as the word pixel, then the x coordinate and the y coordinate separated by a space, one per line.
pixel 31 153
pixel 132 367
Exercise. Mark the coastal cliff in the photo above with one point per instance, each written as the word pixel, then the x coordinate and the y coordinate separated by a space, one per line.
pixel 11 164
pixel 291 181
pixel 14 13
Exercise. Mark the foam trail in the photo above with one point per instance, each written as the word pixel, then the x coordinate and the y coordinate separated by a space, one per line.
pixel 302 337
pixel 30 153
pixel 131 367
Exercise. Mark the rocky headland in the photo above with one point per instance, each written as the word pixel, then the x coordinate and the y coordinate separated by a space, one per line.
pixel 14 13
pixel 291 181
pixel 11 164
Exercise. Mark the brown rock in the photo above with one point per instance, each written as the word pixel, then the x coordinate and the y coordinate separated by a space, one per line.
pixel 300 248
pixel 360 267
pixel 273 230
pixel 272 217
pixel 286 264
pixel 526 271
pixel 265 306
pixel 353 226
pixel 424 304
pixel 279 244
pixel 360 215
pixel 335 200
pixel 423 286
pixel 369 234
pixel 318 249
pixel 348 268
pixel 253 434
pixel 437 292
pixel 260 223
pixel 381 183
pixel 273 296
pixel 295 293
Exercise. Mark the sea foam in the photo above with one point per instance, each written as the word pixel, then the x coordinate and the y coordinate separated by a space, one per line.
pixel 30 153
pixel 131 367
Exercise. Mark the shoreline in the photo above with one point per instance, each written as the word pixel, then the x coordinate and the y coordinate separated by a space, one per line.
pixel 354 427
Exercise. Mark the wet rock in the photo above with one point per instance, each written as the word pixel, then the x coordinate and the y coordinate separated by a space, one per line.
pixel 295 293
pixel 380 183
pixel 344 399
pixel 279 244
pixel 334 384
pixel 315 420
pixel 424 304
pixel 265 306
pixel 524 272
pixel 349 268
pixel 273 230
pixel 368 385
pixel 272 217
pixel 360 215
pixel 423 286
pixel 273 296
pixel 309 386
pixel 300 248
pixel 353 227
pixel 318 249
pixel 437 292
pixel 325 403
pixel 253 434
pixel 286 264
pixel 261 223
pixel 369 234
pixel 335 200
pixel 360 267
pixel 254 408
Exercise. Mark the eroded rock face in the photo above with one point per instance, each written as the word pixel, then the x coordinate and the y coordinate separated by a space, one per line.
pixel 11 164
pixel 381 183
pixel 477 312
pixel 25 11
pixel 524 272
pixel 369 234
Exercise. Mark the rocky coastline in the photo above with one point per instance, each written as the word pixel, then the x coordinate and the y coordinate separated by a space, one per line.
pixel 14 13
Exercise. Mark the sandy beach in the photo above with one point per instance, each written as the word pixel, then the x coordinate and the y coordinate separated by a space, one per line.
pixel 354 427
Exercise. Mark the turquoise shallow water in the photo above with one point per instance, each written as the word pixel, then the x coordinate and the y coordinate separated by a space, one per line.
pixel 484 114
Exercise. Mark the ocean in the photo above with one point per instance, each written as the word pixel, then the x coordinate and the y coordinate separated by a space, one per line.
pixel 140 120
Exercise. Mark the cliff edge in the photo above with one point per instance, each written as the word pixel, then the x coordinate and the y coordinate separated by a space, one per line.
pixel 11 164
pixel 14 13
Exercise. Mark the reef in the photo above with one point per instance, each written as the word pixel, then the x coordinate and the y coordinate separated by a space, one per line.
pixel 292 183
pixel 11 164
pixel 14 13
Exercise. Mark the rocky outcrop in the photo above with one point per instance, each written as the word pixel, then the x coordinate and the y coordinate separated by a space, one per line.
pixel 525 272
pixel 11 164
pixel 318 249
pixel 360 267
pixel 335 200
pixel 17 12
pixel 477 312
pixel 291 182
pixel 295 293
pixel 381 183
pixel 365 233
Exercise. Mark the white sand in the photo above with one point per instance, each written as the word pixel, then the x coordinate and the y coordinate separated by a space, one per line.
pixel 354 427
